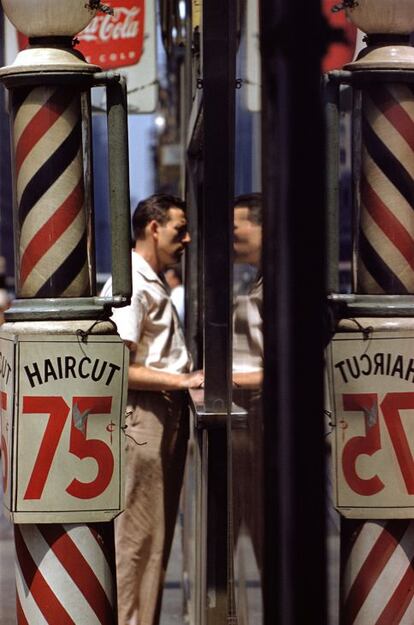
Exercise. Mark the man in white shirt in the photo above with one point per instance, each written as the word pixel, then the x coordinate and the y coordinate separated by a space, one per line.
pixel 247 442
pixel 159 373
pixel 247 314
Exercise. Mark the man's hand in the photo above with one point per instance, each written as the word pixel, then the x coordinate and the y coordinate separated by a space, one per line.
pixel 195 379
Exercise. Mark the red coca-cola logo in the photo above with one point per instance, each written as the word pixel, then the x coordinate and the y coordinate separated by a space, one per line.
pixel 339 54
pixel 112 41
pixel 116 40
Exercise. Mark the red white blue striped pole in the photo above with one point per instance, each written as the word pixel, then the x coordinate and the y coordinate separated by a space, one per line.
pixel 65 573
pixel 47 133
pixel 377 583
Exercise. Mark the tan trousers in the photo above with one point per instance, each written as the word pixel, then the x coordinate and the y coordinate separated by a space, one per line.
pixel 154 474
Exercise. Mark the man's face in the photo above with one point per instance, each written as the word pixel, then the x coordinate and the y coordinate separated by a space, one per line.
pixel 172 237
pixel 247 242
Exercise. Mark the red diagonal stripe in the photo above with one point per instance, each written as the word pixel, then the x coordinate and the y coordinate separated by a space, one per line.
pixel 79 570
pixel 374 564
pixel 50 232
pixel 49 605
pixel 400 600
pixel 40 124
pixel 393 111
pixel 21 617
pixel 387 221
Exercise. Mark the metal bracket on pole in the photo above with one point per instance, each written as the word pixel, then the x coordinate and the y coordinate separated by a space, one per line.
pixel 208 420
pixel 119 201
pixel 358 305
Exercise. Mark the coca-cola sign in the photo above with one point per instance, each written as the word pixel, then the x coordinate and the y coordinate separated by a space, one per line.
pixel 116 40
pixel 339 53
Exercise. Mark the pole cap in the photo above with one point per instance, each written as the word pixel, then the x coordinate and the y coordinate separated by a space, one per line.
pixel 51 26
pixel 382 16
pixel 49 18
pixel 388 24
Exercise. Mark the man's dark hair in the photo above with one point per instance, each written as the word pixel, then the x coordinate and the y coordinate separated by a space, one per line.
pixel 252 201
pixel 154 207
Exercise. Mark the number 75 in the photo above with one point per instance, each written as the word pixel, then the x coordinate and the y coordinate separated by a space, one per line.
pixel 371 442
pixel 79 445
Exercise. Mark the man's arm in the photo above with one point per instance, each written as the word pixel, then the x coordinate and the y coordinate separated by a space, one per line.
pixel 142 378
pixel 250 379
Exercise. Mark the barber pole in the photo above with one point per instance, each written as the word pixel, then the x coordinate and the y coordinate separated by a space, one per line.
pixel 63 575
pixel 63 390
pixel 386 238
pixel 378 581
pixel 47 137
pixel 371 396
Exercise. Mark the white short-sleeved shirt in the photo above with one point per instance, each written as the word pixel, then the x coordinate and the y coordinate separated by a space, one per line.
pixel 248 331
pixel 151 322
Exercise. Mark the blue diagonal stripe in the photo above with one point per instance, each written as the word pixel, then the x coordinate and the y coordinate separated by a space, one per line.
pixel 50 171
pixel 64 275
pixel 392 168
pixel 378 269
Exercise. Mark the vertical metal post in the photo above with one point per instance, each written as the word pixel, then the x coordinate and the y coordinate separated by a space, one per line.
pixel 293 184
pixel 219 48
pixel 332 181
pixel 119 182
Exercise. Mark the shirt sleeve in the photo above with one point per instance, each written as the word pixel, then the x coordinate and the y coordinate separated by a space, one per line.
pixel 128 319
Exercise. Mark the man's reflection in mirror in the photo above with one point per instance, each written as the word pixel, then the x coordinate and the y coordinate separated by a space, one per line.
pixel 248 334
pixel 247 438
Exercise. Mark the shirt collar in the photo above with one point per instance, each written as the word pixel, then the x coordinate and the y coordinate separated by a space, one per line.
pixel 144 268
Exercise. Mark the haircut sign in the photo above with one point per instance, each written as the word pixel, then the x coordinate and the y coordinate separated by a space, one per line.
pixel 62 409
pixel 372 394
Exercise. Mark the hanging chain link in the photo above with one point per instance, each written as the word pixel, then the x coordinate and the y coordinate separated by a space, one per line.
pixel 105 8
pixel 345 4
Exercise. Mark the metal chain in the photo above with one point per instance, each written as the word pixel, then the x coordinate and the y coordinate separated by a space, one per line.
pixel 105 8
pixel 345 4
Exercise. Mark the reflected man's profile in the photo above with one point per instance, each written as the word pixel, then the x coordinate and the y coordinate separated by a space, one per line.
pixel 247 316
pixel 247 440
